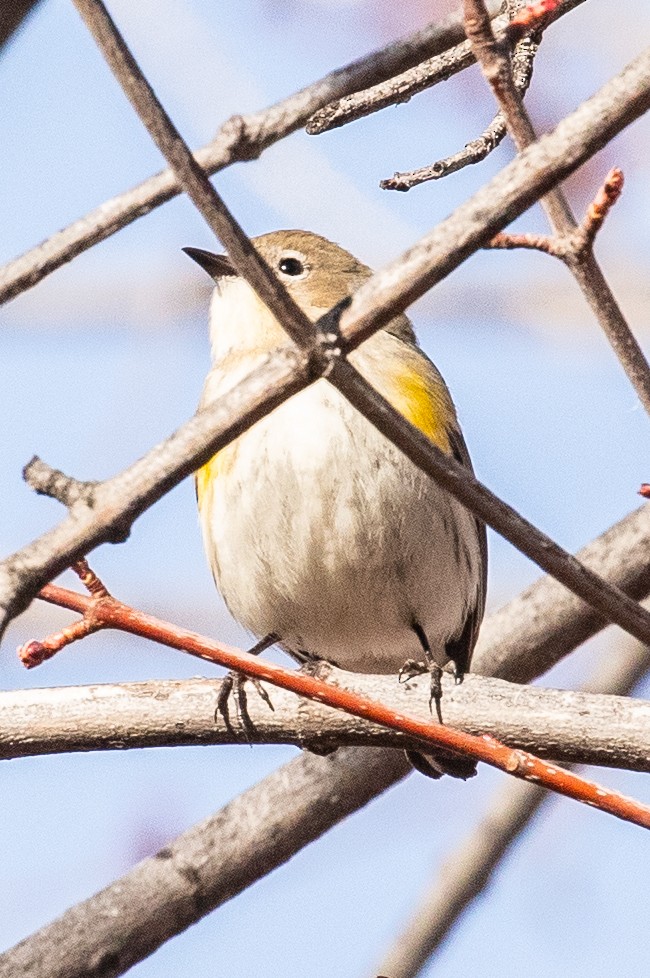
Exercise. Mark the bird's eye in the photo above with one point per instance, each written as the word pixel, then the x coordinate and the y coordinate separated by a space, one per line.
pixel 291 266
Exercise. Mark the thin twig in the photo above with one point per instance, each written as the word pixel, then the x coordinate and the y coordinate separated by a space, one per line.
pixel 402 87
pixel 103 611
pixel 568 248
pixel 117 502
pixel 469 869
pixel 582 263
pixel 239 138
pixel 477 150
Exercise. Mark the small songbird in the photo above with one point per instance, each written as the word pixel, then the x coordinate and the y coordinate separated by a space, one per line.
pixel 319 531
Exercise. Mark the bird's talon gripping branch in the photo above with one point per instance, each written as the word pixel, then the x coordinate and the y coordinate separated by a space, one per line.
pixel 234 683
pixel 233 686
pixel 411 669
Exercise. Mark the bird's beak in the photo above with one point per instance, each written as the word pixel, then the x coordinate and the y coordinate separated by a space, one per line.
pixel 217 266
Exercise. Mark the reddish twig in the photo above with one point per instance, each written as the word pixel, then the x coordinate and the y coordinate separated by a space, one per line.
pixel 531 18
pixel 572 246
pixel 101 610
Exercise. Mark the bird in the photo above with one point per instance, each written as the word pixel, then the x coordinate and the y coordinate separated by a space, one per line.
pixel 320 533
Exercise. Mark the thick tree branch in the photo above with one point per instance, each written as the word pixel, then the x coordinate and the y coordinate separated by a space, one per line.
pixel 518 643
pixel 561 725
pixel 101 610
pixel 206 866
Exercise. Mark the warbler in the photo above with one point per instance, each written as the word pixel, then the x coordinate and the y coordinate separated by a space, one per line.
pixel 318 530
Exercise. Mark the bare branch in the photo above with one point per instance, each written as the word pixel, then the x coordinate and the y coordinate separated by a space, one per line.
pixel 469 869
pixel 402 87
pixel 507 195
pixel 206 866
pixel 240 138
pixel 12 16
pixel 472 152
pixel 517 642
pixel 101 610
pixel 570 248
pixel 117 502
pixel 560 725
pixel 585 268
pixel 478 149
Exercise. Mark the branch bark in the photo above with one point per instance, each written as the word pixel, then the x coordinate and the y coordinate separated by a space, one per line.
pixel 581 260
pixel 561 725
pixel 402 87
pixel 12 16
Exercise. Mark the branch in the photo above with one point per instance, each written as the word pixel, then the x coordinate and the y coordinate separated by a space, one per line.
pixel 469 870
pixel 206 866
pixel 12 16
pixel 120 500
pixel 565 726
pixel 102 611
pixel 239 138
pixel 580 259
pixel 478 149
pixel 402 87
pixel 105 935
pixel 518 642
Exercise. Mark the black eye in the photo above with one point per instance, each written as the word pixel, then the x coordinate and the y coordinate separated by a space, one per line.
pixel 291 266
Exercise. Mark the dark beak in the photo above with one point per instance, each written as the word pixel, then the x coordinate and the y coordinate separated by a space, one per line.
pixel 217 266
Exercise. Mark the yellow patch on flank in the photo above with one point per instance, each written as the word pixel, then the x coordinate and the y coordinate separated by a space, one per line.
pixel 219 465
pixel 421 400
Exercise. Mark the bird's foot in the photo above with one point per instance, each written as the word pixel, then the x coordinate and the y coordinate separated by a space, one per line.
pixel 411 669
pixel 233 687
pixel 434 669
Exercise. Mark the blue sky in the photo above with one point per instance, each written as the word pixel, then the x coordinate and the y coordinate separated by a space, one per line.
pixel 107 356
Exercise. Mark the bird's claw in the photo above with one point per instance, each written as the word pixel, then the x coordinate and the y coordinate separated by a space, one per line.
pixel 411 669
pixel 234 685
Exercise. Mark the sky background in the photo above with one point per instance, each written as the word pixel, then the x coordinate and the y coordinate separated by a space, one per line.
pixel 107 356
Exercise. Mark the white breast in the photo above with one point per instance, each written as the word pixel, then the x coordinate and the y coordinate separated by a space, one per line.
pixel 321 531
